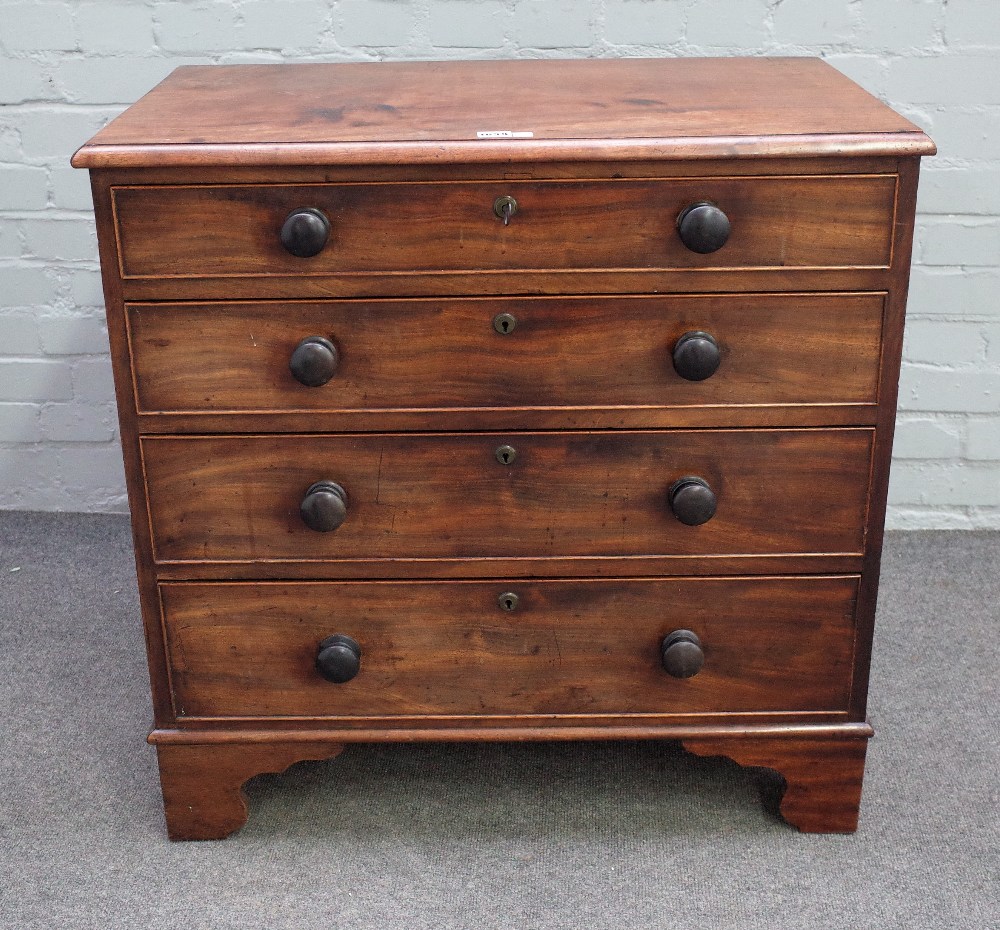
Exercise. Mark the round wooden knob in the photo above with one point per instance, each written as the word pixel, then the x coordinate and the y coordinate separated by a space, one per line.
pixel 681 654
pixel 703 227
pixel 696 356
pixel 692 500
pixel 338 658
pixel 314 361
pixel 305 232
pixel 324 507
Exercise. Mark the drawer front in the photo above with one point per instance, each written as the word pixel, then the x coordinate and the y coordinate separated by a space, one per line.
pixel 432 227
pixel 564 494
pixel 555 352
pixel 586 647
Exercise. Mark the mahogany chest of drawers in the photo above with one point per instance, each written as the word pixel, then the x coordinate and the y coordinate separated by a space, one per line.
pixel 507 400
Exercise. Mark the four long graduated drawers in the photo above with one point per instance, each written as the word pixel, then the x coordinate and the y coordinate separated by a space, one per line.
pixel 507 400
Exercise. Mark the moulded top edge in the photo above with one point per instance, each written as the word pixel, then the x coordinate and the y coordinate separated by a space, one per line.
pixel 207 155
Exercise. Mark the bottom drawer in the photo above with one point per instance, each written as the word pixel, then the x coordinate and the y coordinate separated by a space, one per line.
pixel 566 647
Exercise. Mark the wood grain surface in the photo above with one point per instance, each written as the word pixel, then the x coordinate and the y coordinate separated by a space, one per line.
pixel 822 777
pixel 430 112
pixel 251 731
pixel 563 352
pixel 195 231
pixel 446 495
pixel 889 369
pixel 484 282
pixel 771 644
pixel 539 170
pixel 202 785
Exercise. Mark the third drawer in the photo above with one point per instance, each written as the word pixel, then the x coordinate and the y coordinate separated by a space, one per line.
pixel 507 495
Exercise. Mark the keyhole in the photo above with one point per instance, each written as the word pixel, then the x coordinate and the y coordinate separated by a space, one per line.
pixel 504 323
pixel 506 455
pixel 505 208
pixel 508 601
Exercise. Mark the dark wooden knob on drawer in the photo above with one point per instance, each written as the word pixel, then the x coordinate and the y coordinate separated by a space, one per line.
pixel 324 506
pixel 314 361
pixel 338 659
pixel 681 654
pixel 703 227
pixel 692 500
pixel 305 232
pixel 696 356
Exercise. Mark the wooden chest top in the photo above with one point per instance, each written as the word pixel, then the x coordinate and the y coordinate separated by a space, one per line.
pixel 438 112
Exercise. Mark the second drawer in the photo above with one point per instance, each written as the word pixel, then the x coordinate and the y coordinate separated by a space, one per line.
pixel 503 495
pixel 675 351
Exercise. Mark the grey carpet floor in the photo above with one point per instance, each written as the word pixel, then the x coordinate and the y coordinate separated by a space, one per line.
pixel 537 836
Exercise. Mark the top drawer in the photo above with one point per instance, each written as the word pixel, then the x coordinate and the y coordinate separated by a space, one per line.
pixel 819 221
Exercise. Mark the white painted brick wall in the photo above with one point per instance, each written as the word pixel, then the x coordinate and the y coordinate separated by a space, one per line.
pixel 67 67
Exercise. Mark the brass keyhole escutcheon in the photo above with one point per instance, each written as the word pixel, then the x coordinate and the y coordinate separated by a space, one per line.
pixel 505 207
pixel 508 601
pixel 504 323
pixel 506 455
